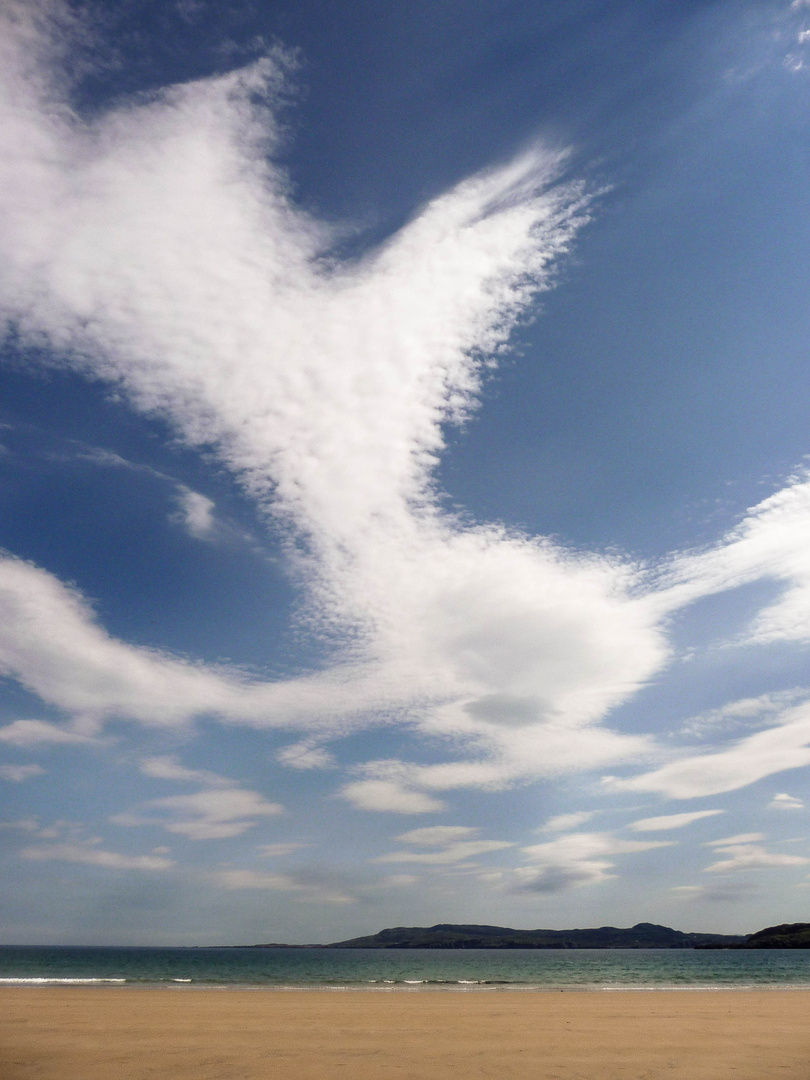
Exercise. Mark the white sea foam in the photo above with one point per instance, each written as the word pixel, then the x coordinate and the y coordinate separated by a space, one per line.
pixel 41 981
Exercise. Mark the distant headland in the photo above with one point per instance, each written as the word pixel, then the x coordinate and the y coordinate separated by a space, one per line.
pixel 640 936
pixel 471 936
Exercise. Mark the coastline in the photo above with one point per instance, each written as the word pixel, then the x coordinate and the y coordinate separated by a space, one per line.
pixel 81 1033
pixel 415 987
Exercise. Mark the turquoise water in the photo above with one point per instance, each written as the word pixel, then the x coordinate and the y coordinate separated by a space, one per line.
pixel 373 969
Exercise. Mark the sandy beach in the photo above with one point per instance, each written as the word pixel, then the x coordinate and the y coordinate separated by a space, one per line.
pixel 71 1033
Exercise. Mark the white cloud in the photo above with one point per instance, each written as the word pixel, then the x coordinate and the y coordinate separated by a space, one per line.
pixel 196 513
pixel 18 773
pixel 94 856
pixel 273 851
pixel 389 796
pixel 744 853
pixel 437 835
pixel 730 890
pixel 738 838
pixel 783 801
pixel 305 755
pixel 206 815
pixel 671 821
pixel 304 887
pixel 23 824
pixel 453 853
pixel 451 844
pixel 776 749
pixel 398 881
pixel 752 712
pixel 323 387
pixel 39 732
pixel 169 768
pixel 564 822
pixel 768 544
pixel 156 247
pixel 51 642
pixel 575 860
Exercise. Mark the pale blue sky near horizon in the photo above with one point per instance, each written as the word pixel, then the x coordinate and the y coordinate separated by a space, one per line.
pixel 405 507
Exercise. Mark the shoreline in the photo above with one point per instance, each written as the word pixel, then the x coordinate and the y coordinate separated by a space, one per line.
pixel 183 985
pixel 81 1033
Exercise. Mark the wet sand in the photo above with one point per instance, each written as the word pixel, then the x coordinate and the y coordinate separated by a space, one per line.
pixel 72 1033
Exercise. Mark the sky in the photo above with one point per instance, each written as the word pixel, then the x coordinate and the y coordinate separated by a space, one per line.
pixel 403 467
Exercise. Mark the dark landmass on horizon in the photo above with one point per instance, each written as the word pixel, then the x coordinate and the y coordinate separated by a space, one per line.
pixel 471 936
pixel 640 936
pixel 784 936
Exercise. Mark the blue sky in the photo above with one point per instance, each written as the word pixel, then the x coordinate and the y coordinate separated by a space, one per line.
pixel 404 486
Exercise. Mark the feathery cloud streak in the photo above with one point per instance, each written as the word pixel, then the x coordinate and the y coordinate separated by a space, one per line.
pixel 157 247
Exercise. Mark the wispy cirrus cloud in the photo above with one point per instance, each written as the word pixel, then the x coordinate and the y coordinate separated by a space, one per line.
pixel 326 388
pixel 311 887
pixel 167 767
pixel 212 814
pixel 91 855
pixel 776 749
pixel 41 733
pixel 671 821
pixel 575 860
pixel 18 773
pixel 567 822
pixel 446 845
pixel 744 852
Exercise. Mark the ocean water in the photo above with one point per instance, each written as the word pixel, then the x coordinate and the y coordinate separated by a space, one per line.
pixel 406 969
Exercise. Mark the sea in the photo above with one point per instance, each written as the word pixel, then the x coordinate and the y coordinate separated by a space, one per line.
pixel 406 970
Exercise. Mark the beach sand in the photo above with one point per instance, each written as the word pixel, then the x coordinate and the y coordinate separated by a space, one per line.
pixel 72 1033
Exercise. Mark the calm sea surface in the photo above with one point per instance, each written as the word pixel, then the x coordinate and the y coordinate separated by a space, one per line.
pixel 403 969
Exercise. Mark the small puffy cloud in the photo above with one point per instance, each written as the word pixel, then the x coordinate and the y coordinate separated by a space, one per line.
pixel 783 801
pixel 206 815
pixel 38 733
pixel 575 860
pixel 314 888
pixel 671 821
pixel 389 796
pixel 305 755
pixel 18 773
pixel 94 856
pixel 196 513
pixel 566 822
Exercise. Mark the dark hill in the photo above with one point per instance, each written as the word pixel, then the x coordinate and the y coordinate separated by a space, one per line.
pixel 785 936
pixel 463 936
